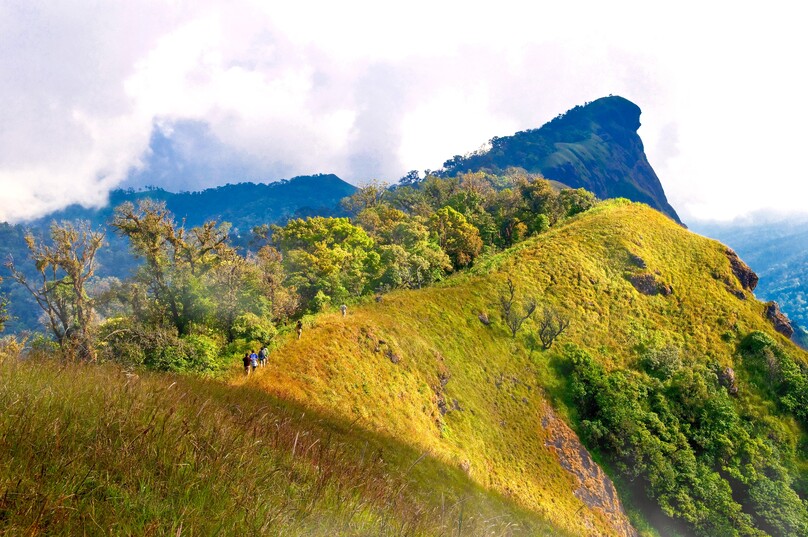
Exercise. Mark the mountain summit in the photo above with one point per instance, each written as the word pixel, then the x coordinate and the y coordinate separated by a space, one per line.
pixel 594 146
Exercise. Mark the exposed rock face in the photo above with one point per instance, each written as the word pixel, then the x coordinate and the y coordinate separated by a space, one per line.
pixel 595 146
pixel 595 488
pixel 778 319
pixel 727 379
pixel 647 284
pixel 484 318
pixel 745 275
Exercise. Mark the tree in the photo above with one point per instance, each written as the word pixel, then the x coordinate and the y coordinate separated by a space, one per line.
pixel 327 255
pixel 64 267
pixel 574 201
pixel 551 325
pixel 283 299
pixel 514 316
pixel 411 178
pixel 176 261
pixel 368 196
pixel 540 199
pixel 459 239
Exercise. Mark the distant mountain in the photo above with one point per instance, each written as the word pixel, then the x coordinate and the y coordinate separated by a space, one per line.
pixel 244 204
pixel 594 146
pixel 778 253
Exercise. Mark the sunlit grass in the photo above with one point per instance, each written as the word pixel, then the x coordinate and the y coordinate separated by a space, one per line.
pixel 94 450
pixel 421 367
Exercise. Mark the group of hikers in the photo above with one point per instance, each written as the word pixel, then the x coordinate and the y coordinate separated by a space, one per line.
pixel 253 361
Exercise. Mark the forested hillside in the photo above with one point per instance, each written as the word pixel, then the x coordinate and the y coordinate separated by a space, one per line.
pixel 244 206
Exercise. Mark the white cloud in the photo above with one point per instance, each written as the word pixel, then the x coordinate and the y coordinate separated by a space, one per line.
pixel 370 90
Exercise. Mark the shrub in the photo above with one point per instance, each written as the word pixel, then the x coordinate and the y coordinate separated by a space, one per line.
pixel 663 362
pixel 251 327
pixel 204 354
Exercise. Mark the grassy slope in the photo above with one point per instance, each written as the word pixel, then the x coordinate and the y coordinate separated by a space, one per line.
pixel 343 367
pixel 347 441
pixel 92 450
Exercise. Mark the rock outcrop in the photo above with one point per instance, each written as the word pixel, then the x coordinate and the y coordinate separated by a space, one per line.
pixel 727 379
pixel 746 276
pixel 648 284
pixel 778 319
pixel 595 488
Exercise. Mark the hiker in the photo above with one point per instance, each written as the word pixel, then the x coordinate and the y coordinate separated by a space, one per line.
pixel 247 363
pixel 262 356
pixel 254 360
pixel 299 328
pixel 343 309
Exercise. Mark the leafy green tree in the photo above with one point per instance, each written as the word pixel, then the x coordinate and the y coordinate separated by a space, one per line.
pixel 176 262
pixel 459 239
pixel 235 291
pixel 411 200
pixel 540 199
pixel 380 222
pixel 329 255
pixel 575 201
pixel 64 268
pixel 283 299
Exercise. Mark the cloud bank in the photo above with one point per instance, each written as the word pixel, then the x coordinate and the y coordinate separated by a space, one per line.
pixel 188 95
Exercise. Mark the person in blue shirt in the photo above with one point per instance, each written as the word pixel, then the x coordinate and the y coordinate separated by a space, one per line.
pixel 254 360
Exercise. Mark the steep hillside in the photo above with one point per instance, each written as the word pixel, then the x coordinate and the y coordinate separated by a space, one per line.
pixel 595 146
pixel 422 367
pixel 419 414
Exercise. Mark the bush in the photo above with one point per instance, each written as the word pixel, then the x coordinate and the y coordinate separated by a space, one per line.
pixel 662 363
pixel 320 301
pixel 251 327
pixel 205 357
pixel 785 378
pixel 778 508
pixel 132 344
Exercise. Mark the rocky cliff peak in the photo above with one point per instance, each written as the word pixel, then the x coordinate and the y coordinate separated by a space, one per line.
pixel 595 146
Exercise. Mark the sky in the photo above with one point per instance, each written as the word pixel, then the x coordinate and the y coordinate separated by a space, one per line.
pixel 189 94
